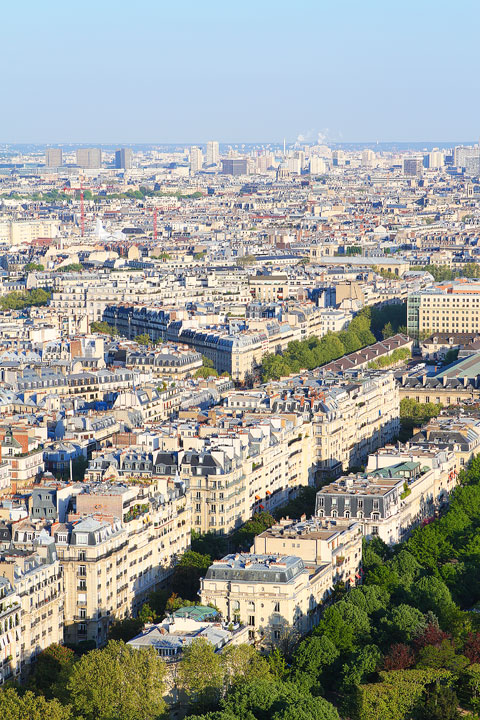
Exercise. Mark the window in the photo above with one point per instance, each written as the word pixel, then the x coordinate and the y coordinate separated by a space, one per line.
pixel 276 607
pixel 251 620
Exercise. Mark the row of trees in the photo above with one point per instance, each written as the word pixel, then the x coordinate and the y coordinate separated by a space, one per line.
pixel 142 193
pixel 370 325
pixel 399 355
pixel 71 267
pixel 443 272
pixel 32 267
pixel 103 327
pixel 21 300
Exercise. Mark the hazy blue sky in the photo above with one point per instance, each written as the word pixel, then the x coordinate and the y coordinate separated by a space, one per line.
pixel 187 70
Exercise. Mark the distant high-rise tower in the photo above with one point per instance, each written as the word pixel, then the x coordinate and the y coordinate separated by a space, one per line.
pixel 123 158
pixel 435 159
pixel 234 166
pixel 368 158
pixel 53 157
pixel 89 158
pixel 413 166
pixel 213 153
pixel 196 159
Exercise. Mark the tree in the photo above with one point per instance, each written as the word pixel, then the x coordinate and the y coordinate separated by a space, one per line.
pixel 431 593
pixel 242 663
pixel 118 682
pixel 32 267
pixel 430 635
pixel 146 614
pixel 450 356
pixel 441 703
pixel 442 656
pixel 188 571
pixel 52 670
pixel 143 339
pixel 388 331
pixel 308 708
pixel 205 373
pixel 125 629
pixel 399 657
pixel 277 664
pixel 21 300
pixel 250 700
pixel 314 654
pixel 72 267
pixel 243 537
pixel 201 674
pixel 30 707
pixel 404 623
pixel 470 687
pixel 102 327
pixel 245 260
pixel 345 625
pixel 471 648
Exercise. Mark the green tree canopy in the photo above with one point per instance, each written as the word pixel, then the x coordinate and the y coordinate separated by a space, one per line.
pixel 29 706
pixel 118 682
pixel 201 674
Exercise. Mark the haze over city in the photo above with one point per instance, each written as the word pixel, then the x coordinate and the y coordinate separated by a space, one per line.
pixel 250 72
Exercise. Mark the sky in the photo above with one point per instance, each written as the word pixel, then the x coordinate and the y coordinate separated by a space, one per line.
pixel 160 71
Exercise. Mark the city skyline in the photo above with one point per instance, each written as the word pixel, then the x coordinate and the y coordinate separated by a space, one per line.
pixel 189 73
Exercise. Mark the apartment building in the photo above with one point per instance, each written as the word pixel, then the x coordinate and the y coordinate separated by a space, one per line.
pixel 167 363
pixel 261 468
pixel 112 563
pixel 93 554
pixel 152 404
pixel 450 307
pixel 23 455
pixel 270 593
pixel 32 583
pixel 353 420
pixel 398 492
pixel 22 232
pixel 452 385
pixel 337 544
pixel 460 435
pixel 10 623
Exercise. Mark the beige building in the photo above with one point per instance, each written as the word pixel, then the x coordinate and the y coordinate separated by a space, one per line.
pixel 450 307
pixel 10 624
pixel 317 542
pixel 281 585
pixel 399 491
pixel 260 468
pixel 112 564
pixel 22 232
pixel 53 157
pixel 357 418
pixel 269 288
pixel 36 614
pixel 89 158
